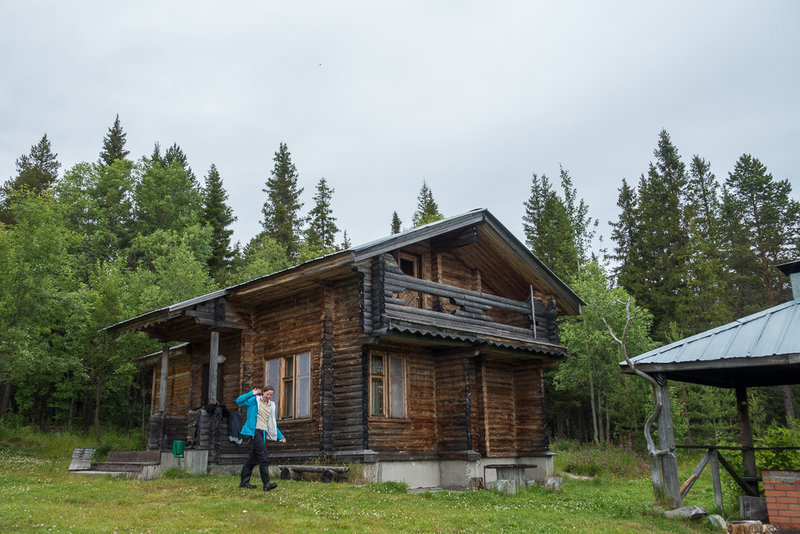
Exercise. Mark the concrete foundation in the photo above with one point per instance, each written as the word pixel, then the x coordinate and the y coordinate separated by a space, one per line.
pixel 458 474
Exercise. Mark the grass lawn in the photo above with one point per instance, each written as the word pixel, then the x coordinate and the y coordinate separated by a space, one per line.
pixel 38 494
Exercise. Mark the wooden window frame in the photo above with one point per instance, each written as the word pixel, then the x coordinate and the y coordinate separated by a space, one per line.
pixel 288 378
pixel 387 380
pixel 415 259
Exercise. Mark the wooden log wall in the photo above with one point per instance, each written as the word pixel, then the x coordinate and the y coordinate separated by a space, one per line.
pixel 451 403
pixel 290 327
pixel 499 408
pixel 529 407
pixel 417 432
pixel 349 394
pixel 326 371
pixel 178 382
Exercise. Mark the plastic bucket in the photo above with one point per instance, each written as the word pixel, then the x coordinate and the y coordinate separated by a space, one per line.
pixel 177 448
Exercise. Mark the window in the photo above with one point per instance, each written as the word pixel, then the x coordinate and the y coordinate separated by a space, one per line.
pixel 387 388
pixel 291 378
pixel 409 264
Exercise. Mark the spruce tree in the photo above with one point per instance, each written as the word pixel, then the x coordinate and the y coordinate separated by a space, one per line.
pixel 113 144
pixel 346 244
pixel 583 226
pixel 322 229
pixel 624 234
pixel 533 221
pixel 175 155
pixel 656 273
pixel 282 220
pixel 396 223
pixel 427 209
pixel 761 231
pixel 218 216
pixel 558 231
pixel 705 301
pixel 36 171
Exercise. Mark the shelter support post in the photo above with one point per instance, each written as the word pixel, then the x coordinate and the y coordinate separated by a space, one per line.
pixel 717 483
pixel 162 385
pixel 666 463
pixel 213 364
pixel 746 435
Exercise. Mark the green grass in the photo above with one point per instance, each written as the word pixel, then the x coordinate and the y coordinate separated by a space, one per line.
pixel 38 494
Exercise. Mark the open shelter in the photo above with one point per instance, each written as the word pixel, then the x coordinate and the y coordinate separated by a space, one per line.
pixel 762 349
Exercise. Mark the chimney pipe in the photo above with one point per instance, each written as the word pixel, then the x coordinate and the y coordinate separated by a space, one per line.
pixel 792 270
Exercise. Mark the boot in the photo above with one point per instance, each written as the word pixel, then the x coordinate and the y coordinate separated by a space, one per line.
pixel 265 478
pixel 247 470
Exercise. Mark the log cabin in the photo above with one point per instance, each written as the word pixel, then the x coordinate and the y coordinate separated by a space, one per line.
pixel 419 355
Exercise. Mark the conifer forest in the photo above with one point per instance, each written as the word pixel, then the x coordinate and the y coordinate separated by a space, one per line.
pixel 120 234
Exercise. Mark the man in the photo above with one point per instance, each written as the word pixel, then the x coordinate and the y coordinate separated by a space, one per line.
pixel 261 425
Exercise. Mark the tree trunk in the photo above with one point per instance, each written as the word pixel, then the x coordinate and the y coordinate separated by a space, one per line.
pixel 85 412
pixel 788 403
pixel 71 414
pixel 5 399
pixel 98 391
pixel 594 412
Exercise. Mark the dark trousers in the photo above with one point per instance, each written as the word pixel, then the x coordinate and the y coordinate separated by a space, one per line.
pixel 258 452
pixel 258 456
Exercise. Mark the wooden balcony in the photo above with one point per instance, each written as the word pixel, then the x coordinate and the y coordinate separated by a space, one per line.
pixel 394 299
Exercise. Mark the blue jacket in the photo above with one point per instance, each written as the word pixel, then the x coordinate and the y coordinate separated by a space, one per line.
pixel 249 427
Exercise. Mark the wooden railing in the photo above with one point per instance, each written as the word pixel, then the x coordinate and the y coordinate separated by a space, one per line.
pixel 748 484
pixel 470 310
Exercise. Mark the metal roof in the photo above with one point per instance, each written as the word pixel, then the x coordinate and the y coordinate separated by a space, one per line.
pixel 758 350
pixel 570 300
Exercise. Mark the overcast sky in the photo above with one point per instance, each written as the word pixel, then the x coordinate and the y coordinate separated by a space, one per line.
pixel 377 96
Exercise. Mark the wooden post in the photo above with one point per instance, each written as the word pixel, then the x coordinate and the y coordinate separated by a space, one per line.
pixel 666 442
pixel 717 483
pixel 746 435
pixel 162 389
pixel 468 399
pixel 533 314
pixel 213 364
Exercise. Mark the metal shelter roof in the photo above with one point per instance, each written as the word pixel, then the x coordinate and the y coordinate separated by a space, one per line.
pixel 762 349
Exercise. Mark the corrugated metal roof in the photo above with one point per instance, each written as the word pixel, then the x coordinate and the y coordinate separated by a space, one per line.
pixel 772 332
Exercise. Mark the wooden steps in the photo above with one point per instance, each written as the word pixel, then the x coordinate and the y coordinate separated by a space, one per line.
pixel 128 463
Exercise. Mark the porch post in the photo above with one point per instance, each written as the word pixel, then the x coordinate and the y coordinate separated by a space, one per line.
pixel 468 400
pixel 213 364
pixel 162 386
pixel 746 435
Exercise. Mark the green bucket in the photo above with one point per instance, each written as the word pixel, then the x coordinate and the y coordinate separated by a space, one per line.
pixel 177 448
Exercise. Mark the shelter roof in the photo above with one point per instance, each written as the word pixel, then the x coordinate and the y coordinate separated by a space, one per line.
pixel 762 349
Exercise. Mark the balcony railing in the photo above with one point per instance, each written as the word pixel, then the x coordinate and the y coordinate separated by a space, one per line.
pixel 397 297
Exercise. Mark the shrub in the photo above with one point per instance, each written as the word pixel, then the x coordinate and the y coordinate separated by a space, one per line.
pixel 778 436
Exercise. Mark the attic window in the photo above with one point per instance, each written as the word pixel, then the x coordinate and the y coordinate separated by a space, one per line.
pixel 409 264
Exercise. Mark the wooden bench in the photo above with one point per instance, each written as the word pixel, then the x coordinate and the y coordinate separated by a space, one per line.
pixel 329 472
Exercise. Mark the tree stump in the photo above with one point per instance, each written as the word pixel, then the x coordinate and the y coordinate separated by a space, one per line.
pixel 744 527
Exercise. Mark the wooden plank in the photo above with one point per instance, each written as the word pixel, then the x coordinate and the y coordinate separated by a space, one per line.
pixel 735 476
pixel 686 486
pixel 82 459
